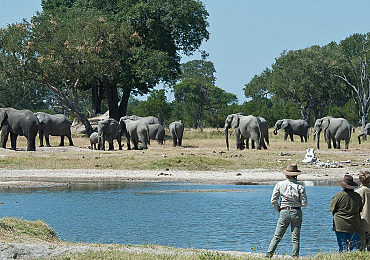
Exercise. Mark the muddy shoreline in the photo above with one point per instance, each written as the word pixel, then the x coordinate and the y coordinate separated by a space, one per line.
pixel 51 178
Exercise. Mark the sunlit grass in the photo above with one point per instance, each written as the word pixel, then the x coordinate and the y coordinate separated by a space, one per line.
pixel 202 150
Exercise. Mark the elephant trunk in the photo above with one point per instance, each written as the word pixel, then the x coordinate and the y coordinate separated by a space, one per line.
pixel 275 131
pixel 318 139
pixel 227 138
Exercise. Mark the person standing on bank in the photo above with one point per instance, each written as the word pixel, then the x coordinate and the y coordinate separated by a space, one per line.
pixel 364 192
pixel 346 207
pixel 292 197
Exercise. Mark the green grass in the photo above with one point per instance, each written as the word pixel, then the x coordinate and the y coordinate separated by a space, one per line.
pixel 18 229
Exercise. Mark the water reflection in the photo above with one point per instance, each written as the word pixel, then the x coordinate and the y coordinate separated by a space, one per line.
pixel 222 217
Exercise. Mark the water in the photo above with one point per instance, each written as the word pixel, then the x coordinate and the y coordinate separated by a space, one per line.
pixel 220 217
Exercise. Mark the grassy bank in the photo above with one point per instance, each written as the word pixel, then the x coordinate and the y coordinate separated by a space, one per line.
pixel 202 150
pixel 13 230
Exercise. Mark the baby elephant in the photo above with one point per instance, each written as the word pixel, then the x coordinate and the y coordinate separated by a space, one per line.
pixel 94 139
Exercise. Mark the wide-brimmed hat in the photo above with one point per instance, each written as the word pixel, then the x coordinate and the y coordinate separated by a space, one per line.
pixel 348 183
pixel 291 170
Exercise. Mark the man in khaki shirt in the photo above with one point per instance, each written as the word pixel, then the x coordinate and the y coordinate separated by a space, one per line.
pixel 364 192
pixel 292 197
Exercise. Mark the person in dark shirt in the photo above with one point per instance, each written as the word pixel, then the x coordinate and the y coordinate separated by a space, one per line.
pixel 346 207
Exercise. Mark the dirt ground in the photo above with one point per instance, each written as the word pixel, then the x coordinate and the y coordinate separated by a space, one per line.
pixel 332 165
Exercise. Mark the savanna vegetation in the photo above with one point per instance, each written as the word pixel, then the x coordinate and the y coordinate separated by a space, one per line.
pixel 85 57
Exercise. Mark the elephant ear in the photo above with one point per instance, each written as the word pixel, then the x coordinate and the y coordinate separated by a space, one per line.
pixel 325 123
pixel 41 117
pixel 285 124
pixel 3 116
pixel 235 122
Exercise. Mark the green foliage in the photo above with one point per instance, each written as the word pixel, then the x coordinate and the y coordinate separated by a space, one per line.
pixel 305 77
pixel 21 95
pixel 155 105
pixel 19 228
pixel 354 65
pixel 197 101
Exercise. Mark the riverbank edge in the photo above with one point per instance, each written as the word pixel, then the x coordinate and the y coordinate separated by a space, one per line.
pixel 43 178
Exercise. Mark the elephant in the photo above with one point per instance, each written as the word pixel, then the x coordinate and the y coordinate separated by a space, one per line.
pixel 292 127
pixel 18 122
pixel 55 125
pixel 156 132
pixel 177 131
pixel 136 131
pixel 246 127
pixel 265 133
pixel 365 131
pixel 94 139
pixel 335 129
pixel 109 129
pixel 150 120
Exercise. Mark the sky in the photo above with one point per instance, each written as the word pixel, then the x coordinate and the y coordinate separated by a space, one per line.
pixel 246 36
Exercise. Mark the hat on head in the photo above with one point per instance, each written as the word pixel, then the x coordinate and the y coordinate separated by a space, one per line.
pixel 291 170
pixel 348 183
pixel 364 177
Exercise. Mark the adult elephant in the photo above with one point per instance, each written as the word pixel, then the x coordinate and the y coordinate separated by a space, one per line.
pixel 135 131
pixel 265 132
pixel 109 129
pixel 247 127
pixel 55 125
pixel 150 120
pixel 157 132
pixel 335 129
pixel 292 127
pixel 177 131
pixel 18 122
pixel 365 131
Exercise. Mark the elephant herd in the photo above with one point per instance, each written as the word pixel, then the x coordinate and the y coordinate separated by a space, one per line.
pixel 137 130
pixel 140 130
pixel 15 122
pixel 255 128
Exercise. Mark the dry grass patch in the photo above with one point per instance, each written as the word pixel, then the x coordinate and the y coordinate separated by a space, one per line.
pixel 202 150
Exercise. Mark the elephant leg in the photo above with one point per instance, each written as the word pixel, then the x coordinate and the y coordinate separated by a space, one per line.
pixel 291 137
pixel 285 136
pixel 305 138
pixel 258 144
pixel 13 141
pixel 301 139
pixel 135 144
pixel 41 137
pixel 61 140
pixel 347 143
pixel 174 141
pixel 337 144
pixel 31 143
pixel 119 143
pixel 47 141
pixel 111 146
pixel 253 144
pixel 180 141
pixel 4 136
pixel 70 140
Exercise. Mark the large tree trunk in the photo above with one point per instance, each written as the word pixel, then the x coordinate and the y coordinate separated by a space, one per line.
pixel 97 95
pixel 112 97
pixel 72 104
pixel 124 101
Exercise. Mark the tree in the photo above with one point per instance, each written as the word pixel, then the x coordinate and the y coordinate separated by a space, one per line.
pixel 155 105
pixel 22 95
pixel 196 94
pixel 305 77
pixel 165 28
pixel 59 53
pixel 354 72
